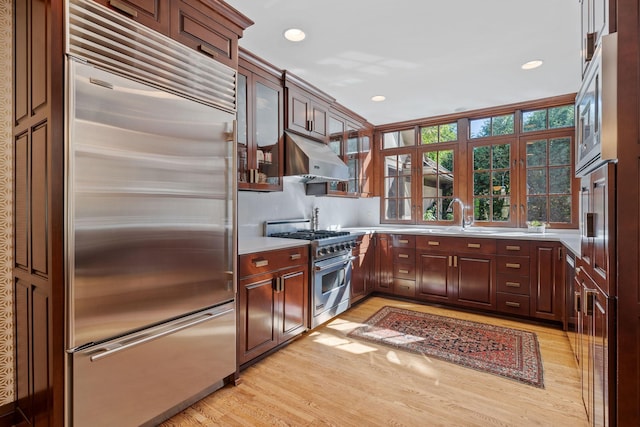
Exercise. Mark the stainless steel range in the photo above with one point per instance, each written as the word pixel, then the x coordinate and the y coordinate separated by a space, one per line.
pixel 330 265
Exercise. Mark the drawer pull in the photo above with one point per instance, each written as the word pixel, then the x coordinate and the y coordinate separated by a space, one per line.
pixel 512 304
pixel 294 256
pixel 260 262
pixel 513 248
pixel 433 243
pixel 512 265
pixel 123 8
pixel 207 50
pixel 512 284
pixel 404 241
pixel 403 256
pixel 403 271
pixel 473 245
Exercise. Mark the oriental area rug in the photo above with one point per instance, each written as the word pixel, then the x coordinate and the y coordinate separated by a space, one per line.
pixel 509 353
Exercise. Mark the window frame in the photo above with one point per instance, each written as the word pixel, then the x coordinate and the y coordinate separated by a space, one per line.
pixel 557 133
pixel 463 160
pixel 490 141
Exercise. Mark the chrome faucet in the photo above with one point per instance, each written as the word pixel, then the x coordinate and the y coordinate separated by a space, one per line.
pixel 463 211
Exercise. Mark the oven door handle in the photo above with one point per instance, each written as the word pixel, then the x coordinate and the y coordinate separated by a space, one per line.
pixel 335 264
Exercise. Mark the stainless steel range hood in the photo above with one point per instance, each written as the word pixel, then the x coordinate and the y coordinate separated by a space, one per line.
pixel 312 161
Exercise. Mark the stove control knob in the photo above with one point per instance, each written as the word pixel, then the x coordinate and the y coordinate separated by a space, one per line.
pixel 342 246
pixel 322 251
pixel 349 245
pixel 332 249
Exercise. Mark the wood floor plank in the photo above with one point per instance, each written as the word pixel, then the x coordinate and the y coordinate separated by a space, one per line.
pixel 326 378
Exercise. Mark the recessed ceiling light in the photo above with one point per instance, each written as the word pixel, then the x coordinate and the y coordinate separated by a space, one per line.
pixel 294 34
pixel 531 65
pixel 378 98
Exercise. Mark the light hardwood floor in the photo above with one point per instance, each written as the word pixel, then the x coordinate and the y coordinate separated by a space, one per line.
pixel 326 378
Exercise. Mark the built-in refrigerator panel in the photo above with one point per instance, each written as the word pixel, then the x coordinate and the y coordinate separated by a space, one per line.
pixel 134 380
pixel 149 205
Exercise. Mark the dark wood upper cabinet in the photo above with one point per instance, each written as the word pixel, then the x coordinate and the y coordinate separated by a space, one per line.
pixel 597 19
pixel 260 119
pixel 150 13
pixel 307 108
pixel 350 138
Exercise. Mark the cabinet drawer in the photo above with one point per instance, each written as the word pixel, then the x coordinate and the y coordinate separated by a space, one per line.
pixel 405 288
pixel 200 27
pixel 262 262
pixel 513 265
pixel 512 247
pixel 513 304
pixel 403 241
pixel 405 256
pixel 404 271
pixel 474 245
pixel 512 283
pixel 435 243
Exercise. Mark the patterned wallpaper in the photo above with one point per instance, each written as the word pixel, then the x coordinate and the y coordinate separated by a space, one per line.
pixel 6 177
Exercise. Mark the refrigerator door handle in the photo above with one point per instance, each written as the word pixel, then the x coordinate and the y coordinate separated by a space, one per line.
pixel 106 352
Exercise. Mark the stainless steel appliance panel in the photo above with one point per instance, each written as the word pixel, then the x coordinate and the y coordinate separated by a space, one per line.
pixel 149 206
pixel 331 288
pixel 134 380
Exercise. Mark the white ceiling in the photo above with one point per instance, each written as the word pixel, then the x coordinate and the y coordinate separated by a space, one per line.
pixel 427 57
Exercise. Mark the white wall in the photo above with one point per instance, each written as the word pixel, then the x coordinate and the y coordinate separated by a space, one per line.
pixel 256 208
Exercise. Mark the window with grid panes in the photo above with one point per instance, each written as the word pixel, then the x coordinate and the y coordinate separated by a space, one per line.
pixel 437 172
pixel 397 199
pixel 549 176
pixel 491 189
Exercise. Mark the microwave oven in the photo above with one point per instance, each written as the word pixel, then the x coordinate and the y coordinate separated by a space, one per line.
pixel 596 109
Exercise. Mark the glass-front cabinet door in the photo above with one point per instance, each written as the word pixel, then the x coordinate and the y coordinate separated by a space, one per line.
pixel 259 132
pixel 352 143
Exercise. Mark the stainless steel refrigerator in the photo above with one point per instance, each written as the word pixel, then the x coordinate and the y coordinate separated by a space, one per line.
pixel 151 295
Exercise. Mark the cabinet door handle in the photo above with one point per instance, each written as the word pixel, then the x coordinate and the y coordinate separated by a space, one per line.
pixel 590 224
pixel 455 260
pixel 473 245
pixel 403 271
pixel 123 8
pixel 590 48
pixel 513 248
pixel 207 50
pixel 576 302
pixel 403 256
pixel 404 241
pixel 512 284
pixel 512 304
pixel 450 261
pixel 433 243
pixel 588 301
pixel 295 256
pixel 260 262
pixel 512 265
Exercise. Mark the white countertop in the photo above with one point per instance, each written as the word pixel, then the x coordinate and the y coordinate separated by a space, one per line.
pixel 569 238
pixel 248 245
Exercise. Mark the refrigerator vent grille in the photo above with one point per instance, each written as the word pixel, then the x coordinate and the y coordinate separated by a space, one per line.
pixel 108 40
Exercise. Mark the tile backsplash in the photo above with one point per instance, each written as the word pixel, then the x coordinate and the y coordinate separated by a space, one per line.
pixel 255 208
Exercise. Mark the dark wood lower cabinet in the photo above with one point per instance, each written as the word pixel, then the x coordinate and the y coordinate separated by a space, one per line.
pixel 363 273
pixel 547 285
pixel 272 305
pixel 595 349
pixel 447 274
